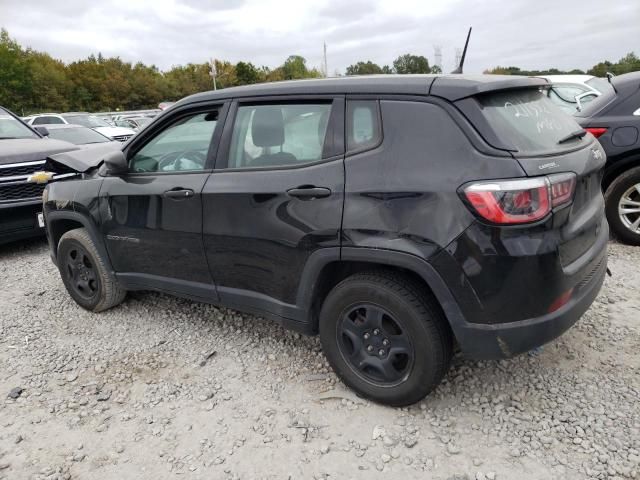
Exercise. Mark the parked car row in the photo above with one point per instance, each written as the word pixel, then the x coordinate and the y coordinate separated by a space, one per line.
pixel 135 120
pixel 86 120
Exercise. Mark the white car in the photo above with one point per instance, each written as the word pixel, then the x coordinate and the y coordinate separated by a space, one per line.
pixel 82 118
pixel 571 92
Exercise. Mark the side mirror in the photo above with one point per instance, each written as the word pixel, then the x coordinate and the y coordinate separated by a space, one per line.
pixel 41 130
pixel 115 163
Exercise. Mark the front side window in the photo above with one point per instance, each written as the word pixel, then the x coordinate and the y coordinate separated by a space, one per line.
pixel 278 135
pixel 363 125
pixel 182 146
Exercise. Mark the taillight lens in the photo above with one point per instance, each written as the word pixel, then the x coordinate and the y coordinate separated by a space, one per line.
pixel 526 200
pixel 596 131
pixel 562 187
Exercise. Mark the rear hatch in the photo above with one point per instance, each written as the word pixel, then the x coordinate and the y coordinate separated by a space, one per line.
pixel 546 141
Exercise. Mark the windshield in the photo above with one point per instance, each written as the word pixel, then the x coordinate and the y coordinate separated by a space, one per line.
pixel 12 128
pixel 90 121
pixel 528 121
pixel 77 135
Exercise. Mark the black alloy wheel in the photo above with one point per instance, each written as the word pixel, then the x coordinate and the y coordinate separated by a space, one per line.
pixel 82 275
pixel 375 345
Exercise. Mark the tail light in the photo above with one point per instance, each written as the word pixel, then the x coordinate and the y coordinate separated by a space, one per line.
pixel 526 200
pixel 596 131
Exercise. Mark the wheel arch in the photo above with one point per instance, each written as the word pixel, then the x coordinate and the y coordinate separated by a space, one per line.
pixel 324 270
pixel 617 168
pixel 60 222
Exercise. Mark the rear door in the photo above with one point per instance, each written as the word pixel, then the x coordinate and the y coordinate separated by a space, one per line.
pixel 275 198
pixel 152 215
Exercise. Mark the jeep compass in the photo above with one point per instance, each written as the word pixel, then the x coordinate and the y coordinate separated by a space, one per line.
pixel 396 216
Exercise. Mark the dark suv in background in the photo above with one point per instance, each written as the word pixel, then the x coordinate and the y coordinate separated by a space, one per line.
pixel 394 215
pixel 614 118
pixel 23 151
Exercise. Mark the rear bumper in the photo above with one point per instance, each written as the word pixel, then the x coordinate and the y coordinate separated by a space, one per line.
pixel 18 222
pixel 507 285
pixel 504 340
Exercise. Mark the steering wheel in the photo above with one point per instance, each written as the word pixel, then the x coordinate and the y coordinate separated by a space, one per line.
pixel 174 159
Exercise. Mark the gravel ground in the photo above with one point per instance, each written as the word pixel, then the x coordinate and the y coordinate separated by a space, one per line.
pixel 166 388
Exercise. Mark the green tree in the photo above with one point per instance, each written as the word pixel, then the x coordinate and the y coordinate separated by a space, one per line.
pixel 294 67
pixel 364 68
pixel 629 63
pixel 247 73
pixel 15 81
pixel 409 63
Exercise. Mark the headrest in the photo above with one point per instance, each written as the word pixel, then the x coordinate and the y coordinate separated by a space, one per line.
pixel 267 129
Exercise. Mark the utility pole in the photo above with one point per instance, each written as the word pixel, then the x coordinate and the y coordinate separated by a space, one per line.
pixel 437 54
pixel 458 56
pixel 326 69
pixel 213 73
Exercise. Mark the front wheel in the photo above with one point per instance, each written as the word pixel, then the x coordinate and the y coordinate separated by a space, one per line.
pixel 385 337
pixel 622 204
pixel 84 273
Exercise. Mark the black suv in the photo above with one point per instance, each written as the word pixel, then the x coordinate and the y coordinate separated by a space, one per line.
pixel 614 119
pixel 394 215
pixel 23 151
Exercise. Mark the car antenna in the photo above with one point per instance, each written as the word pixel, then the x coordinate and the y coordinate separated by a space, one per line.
pixel 464 54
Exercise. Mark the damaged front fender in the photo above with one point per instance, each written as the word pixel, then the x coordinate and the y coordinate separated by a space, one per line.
pixel 80 161
pixel 71 164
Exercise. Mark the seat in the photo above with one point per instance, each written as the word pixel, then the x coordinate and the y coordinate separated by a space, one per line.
pixel 267 131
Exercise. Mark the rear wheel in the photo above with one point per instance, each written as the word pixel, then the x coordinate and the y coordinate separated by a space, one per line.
pixel 84 273
pixel 385 337
pixel 623 206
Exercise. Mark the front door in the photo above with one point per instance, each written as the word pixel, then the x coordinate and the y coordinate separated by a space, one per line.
pixel 152 216
pixel 274 199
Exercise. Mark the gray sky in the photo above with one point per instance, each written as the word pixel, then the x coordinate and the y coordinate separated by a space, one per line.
pixel 526 33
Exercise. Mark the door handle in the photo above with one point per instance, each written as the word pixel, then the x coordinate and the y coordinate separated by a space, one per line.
pixel 179 193
pixel 309 192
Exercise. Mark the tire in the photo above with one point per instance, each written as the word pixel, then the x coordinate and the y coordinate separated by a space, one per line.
pixel 84 273
pixel 418 347
pixel 626 186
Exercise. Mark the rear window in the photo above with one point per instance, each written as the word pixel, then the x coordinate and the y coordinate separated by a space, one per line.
pixel 601 84
pixel 528 121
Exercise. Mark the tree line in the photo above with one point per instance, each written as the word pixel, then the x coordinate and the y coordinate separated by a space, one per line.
pixel 629 63
pixel 32 81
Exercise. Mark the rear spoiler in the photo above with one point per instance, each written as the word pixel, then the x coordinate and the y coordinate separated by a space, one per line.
pixel 456 87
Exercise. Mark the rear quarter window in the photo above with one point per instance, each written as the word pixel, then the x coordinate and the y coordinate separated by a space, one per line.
pixel 528 121
pixel 363 125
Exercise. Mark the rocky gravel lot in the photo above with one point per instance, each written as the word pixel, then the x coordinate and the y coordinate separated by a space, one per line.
pixel 166 388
